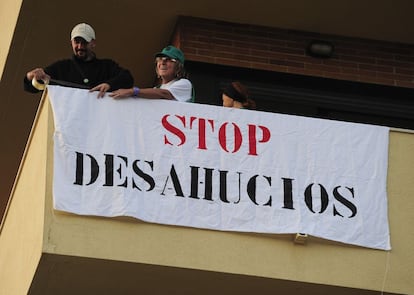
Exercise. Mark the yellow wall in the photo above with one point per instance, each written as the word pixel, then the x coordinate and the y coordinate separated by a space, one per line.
pixel 21 232
pixel 269 256
pixel 33 228
pixel 9 12
pixel 272 256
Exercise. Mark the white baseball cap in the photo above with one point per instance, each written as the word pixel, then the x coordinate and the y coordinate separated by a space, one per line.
pixel 84 31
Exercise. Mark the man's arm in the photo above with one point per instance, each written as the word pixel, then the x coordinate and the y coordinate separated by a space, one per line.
pixel 38 74
pixel 118 76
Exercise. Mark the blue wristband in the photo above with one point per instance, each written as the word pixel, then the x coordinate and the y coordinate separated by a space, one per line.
pixel 136 91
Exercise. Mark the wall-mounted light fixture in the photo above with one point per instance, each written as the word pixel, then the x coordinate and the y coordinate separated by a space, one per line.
pixel 322 49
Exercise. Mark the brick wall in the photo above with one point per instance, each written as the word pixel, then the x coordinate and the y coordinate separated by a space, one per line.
pixel 279 50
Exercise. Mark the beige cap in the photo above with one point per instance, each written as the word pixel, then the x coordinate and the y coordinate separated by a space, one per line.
pixel 84 31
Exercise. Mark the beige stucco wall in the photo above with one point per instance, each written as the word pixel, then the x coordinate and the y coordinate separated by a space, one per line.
pixel 21 232
pixel 270 256
pixel 9 12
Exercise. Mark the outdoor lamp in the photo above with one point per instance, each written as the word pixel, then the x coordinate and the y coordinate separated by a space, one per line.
pixel 318 48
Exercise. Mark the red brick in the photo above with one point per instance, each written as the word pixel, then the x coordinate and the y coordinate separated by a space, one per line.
pixel 279 50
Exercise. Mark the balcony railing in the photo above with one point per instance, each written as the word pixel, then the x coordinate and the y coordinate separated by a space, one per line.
pixel 44 251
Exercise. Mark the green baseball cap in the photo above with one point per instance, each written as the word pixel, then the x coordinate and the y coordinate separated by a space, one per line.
pixel 172 52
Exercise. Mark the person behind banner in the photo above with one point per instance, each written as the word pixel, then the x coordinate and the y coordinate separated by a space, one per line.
pixel 174 84
pixel 83 69
pixel 236 95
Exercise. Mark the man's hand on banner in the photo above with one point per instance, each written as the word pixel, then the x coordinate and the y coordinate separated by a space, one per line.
pixel 38 77
pixel 102 88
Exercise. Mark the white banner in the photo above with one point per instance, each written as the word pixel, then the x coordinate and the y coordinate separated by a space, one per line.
pixel 220 168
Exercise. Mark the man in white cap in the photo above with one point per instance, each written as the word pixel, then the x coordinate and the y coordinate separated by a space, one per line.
pixel 83 70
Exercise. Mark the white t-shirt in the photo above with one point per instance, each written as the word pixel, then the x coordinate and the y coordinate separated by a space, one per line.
pixel 181 89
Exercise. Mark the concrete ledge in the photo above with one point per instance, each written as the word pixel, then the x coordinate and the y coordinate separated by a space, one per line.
pixel 45 251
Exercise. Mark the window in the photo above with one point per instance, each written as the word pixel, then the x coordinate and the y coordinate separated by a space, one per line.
pixel 308 96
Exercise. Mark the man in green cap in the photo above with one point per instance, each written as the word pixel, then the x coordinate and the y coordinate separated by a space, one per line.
pixel 174 84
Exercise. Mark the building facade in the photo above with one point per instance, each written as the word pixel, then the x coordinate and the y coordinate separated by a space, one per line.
pixel 366 77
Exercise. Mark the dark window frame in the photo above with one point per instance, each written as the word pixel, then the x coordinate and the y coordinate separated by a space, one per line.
pixel 308 96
